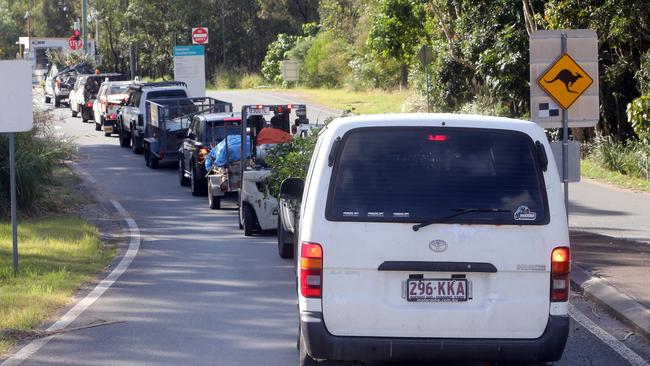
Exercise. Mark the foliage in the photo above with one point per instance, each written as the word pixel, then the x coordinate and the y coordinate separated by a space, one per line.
pixel 591 168
pixel 62 60
pixel 638 113
pixel 630 157
pixel 37 154
pixel 290 161
pixel 8 30
pixel 326 62
pixel 276 53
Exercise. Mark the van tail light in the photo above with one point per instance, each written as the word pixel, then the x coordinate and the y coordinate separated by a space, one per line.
pixel 311 270
pixel 560 269
pixel 202 153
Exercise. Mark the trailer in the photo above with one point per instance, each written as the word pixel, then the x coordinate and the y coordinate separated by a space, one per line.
pixel 167 122
pixel 258 208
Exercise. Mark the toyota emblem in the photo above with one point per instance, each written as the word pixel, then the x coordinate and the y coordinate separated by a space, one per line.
pixel 438 246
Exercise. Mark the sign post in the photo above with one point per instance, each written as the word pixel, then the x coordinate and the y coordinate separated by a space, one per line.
pixel 16 104
pixel 189 66
pixel 425 55
pixel 565 81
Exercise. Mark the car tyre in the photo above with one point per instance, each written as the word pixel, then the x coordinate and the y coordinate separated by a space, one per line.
pixel 249 220
pixel 98 127
pixel 74 114
pixel 285 250
pixel 125 139
pixel 182 179
pixel 134 146
pixel 57 102
pixel 196 187
pixel 47 100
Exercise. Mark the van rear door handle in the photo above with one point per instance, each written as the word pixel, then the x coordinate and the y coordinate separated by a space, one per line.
pixel 423 266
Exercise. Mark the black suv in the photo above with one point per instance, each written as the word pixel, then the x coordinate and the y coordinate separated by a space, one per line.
pixel 205 132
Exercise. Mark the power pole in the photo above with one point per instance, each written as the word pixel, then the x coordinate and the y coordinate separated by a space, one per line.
pixel 84 27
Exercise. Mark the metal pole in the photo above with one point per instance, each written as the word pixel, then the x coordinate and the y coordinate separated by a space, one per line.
pixel 14 218
pixel 426 71
pixel 84 27
pixel 565 142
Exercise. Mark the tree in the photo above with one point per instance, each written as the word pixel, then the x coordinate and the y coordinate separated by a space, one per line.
pixel 397 31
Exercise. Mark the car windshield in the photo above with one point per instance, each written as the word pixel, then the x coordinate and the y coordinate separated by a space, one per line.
pixel 418 174
pixel 216 131
pixel 118 89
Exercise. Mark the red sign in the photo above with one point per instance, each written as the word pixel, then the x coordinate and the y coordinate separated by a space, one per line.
pixel 200 35
pixel 75 44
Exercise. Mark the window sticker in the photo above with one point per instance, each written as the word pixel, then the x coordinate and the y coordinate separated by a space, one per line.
pixel 375 214
pixel 523 213
pixel 350 213
pixel 401 214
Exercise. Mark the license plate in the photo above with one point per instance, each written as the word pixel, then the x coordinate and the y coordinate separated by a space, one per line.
pixel 256 111
pixel 108 129
pixel 436 290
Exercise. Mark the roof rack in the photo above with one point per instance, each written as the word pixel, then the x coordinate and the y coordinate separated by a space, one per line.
pixel 140 85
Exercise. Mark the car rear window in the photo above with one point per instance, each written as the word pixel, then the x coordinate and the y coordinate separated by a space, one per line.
pixel 118 89
pixel 166 94
pixel 216 131
pixel 423 174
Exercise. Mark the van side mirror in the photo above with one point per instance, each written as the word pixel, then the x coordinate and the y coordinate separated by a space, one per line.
pixel 292 188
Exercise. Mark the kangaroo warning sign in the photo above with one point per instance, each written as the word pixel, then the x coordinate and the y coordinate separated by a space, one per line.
pixel 564 79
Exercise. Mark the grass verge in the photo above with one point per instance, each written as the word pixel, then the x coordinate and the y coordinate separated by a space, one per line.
pixel 58 252
pixel 363 102
pixel 591 169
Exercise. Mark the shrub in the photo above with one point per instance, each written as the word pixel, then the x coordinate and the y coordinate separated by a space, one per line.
pixel 37 153
pixel 638 113
pixel 276 53
pixel 326 62
pixel 227 79
pixel 631 157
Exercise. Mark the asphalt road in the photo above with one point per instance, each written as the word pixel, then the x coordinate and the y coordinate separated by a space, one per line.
pixel 198 292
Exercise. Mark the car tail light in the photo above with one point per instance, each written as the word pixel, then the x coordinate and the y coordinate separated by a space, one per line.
pixel 112 116
pixel 202 153
pixel 437 137
pixel 560 269
pixel 311 270
pixel 89 103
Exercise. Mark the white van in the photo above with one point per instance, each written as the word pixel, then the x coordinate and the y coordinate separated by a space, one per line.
pixel 432 237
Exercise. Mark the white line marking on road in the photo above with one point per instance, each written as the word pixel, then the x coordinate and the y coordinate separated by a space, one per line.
pixel 94 295
pixel 607 338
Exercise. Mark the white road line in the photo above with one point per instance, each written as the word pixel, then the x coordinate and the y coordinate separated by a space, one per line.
pixel 613 343
pixel 96 293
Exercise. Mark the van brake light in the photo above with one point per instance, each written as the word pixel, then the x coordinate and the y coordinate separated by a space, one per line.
pixel 311 270
pixel 560 269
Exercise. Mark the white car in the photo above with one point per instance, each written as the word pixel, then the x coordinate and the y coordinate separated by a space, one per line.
pixel 432 237
pixel 107 104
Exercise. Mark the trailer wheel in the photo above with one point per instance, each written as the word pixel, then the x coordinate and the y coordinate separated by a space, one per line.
pixel 249 220
pixel 213 202
pixel 285 249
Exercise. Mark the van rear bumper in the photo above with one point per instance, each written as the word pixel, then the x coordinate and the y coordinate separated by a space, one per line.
pixel 321 344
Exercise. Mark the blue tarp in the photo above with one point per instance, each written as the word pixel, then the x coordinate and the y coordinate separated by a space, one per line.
pixel 218 157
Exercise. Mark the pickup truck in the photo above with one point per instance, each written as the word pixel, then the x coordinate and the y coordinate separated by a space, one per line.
pixel 132 113
pixel 85 93
pixel 59 82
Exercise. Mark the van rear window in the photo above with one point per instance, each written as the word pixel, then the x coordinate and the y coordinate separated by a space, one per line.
pixel 423 174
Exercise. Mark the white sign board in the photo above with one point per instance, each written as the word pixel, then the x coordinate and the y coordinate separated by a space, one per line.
pixel 562 76
pixel 290 70
pixel 189 66
pixel 200 35
pixel 16 96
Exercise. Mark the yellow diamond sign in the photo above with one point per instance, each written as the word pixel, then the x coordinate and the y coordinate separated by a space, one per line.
pixel 565 81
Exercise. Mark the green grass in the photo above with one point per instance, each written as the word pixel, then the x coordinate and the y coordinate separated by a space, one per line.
pixel 590 168
pixel 363 102
pixel 57 254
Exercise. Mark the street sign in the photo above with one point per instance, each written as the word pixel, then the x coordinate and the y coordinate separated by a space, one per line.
pixel 291 70
pixel 425 55
pixel 16 101
pixel 565 81
pixel 552 90
pixel 189 66
pixel 200 35
pixel 75 43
